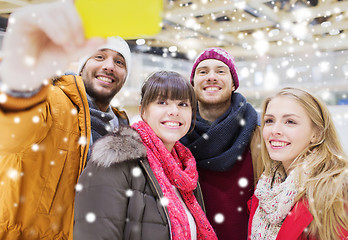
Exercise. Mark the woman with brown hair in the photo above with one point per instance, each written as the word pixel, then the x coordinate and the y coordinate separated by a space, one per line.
pixel 141 183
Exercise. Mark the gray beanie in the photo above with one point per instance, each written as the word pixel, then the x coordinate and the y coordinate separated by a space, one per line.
pixel 116 44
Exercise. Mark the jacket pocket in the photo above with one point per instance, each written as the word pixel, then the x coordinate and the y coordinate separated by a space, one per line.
pixel 51 182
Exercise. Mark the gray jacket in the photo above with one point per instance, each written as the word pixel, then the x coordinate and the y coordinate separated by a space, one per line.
pixel 118 196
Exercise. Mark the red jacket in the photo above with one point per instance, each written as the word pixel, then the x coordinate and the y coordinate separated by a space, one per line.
pixel 294 224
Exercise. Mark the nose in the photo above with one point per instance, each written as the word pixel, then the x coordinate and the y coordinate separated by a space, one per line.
pixel 173 109
pixel 276 129
pixel 211 76
pixel 109 65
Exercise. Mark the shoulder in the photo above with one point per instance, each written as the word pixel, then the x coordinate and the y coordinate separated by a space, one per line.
pixel 118 147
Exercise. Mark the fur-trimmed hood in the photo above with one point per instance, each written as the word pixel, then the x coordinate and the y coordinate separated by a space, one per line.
pixel 119 146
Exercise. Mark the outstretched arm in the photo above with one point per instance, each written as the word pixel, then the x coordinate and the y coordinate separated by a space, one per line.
pixel 40 42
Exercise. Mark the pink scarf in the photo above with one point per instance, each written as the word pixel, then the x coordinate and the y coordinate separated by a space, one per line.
pixel 177 168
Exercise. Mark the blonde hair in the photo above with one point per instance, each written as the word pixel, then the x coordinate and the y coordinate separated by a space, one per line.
pixel 322 168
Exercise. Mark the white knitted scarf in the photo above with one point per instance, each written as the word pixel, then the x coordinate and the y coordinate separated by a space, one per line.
pixel 276 197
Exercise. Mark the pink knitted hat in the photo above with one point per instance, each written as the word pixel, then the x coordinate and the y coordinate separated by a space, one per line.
pixel 218 54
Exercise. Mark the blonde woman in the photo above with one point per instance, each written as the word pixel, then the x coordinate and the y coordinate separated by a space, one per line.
pixel 303 192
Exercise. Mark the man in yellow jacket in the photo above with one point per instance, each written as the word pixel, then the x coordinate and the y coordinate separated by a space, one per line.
pixel 45 126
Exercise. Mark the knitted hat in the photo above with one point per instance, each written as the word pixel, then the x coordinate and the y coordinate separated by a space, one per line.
pixel 116 44
pixel 218 54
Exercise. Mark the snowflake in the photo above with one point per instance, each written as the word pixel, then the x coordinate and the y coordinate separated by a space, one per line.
pixel 36 119
pixel 83 140
pixel 73 111
pixel 91 217
pixel 35 147
pixel 136 171
pixel 78 187
pixel 219 218
pixel 243 182
pixel 108 128
pixel 3 98
pixel 13 174
pixel 129 193
pixel 17 120
pixel 205 136
pixel 164 201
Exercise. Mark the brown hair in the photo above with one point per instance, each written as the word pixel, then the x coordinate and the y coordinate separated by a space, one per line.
pixel 167 85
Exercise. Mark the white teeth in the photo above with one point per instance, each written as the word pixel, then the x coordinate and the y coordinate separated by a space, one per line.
pixel 212 89
pixel 172 124
pixel 278 144
pixel 105 79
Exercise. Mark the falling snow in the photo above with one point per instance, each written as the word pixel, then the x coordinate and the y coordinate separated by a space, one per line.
pixel 205 136
pixel 242 122
pixel 3 98
pixel 78 187
pixel 35 147
pixel 136 171
pixel 164 201
pixel 73 111
pixel 36 119
pixel 83 141
pixel 17 119
pixel 129 193
pixel 219 218
pixel 13 174
pixel 91 217
pixel 243 182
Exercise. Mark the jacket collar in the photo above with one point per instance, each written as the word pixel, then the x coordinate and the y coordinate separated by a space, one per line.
pixel 296 222
pixel 119 146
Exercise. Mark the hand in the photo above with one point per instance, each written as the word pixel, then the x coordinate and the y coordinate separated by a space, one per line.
pixel 40 42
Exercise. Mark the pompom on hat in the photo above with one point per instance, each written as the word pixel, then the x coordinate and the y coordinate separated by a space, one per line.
pixel 218 54
pixel 116 44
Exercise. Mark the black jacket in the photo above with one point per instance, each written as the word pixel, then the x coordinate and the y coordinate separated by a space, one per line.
pixel 118 196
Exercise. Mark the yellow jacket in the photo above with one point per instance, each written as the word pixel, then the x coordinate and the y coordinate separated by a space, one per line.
pixel 43 148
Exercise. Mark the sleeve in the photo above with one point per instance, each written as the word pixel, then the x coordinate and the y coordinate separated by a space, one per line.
pixel 101 204
pixel 23 121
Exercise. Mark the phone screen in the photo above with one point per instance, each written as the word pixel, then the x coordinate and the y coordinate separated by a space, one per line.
pixel 128 19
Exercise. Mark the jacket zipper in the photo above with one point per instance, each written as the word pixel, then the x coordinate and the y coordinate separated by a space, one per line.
pixel 200 194
pixel 159 195
pixel 85 125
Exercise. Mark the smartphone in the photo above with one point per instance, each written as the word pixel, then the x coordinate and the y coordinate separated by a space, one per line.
pixel 129 19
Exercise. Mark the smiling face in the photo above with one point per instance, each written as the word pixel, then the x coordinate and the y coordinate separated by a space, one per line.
pixel 104 75
pixel 287 130
pixel 169 119
pixel 213 82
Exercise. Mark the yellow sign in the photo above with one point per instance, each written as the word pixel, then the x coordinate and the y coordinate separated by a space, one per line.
pixel 128 19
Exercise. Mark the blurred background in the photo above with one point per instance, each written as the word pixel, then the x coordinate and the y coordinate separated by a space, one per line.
pixel 275 44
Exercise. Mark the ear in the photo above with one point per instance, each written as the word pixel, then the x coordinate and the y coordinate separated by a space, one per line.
pixel 316 136
pixel 142 113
